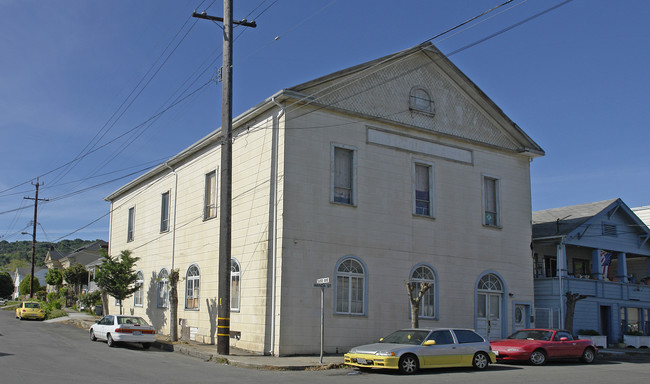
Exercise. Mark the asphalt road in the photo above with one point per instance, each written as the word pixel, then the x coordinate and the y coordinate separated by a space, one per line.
pixel 37 352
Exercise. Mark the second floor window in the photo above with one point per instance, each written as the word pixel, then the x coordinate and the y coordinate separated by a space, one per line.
pixel 423 190
pixel 210 200
pixel 164 212
pixel 343 175
pixel 130 225
pixel 491 202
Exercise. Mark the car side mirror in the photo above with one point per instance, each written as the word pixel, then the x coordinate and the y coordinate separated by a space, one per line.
pixel 96 321
pixel 429 342
pixel 564 338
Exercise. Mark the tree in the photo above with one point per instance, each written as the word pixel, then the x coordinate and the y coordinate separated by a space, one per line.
pixel 24 286
pixel 116 276
pixel 54 278
pixel 571 300
pixel 6 285
pixel 76 276
pixel 415 299
pixel 174 276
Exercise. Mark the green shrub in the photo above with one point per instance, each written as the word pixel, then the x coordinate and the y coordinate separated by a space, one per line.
pixel 56 313
pixel 91 299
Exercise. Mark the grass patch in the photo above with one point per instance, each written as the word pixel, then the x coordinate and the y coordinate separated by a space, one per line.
pixel 56 313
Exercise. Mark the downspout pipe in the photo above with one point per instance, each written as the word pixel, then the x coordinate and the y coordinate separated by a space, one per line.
pixel 273 216
pixel 561 269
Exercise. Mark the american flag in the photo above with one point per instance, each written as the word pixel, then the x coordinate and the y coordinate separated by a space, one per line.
pixel 605 261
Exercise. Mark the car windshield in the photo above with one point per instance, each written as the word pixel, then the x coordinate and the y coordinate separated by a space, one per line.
pixel 406 337
pixel 32 305
pixel 532 334
pixel 131 320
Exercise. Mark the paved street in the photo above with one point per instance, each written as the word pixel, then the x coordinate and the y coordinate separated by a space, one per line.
pixel 37 352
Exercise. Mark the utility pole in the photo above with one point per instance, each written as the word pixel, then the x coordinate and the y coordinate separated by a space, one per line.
pixel 225 210
pixel 36 199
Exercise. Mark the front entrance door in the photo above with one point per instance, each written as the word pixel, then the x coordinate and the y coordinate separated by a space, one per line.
pixel 489 307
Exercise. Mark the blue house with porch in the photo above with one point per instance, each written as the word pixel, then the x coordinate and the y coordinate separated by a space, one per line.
pixel 600 250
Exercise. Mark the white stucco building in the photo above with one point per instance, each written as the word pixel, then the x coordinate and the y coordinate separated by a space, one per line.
pixel 395 170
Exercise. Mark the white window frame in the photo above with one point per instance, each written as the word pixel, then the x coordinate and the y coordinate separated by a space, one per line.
pixel 165 200
pixel 431 175
pixel 497 201
pixel 235 285
pixel 130 227
pixel 193 287
pixel 421 103
pixel 430 298
pixel 210 200
pixel 162 289
pixel 138 295
pixel 347 284
pixel 353 174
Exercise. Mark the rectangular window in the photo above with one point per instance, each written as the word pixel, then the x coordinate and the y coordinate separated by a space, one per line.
pixel 343 176
pixel 234 292
pixel 550 266
pixel 163 293
pixel 131 224
pixel 164 212
pixel 210 200
pixel 192 294
pixel 491 202
pixel 423 189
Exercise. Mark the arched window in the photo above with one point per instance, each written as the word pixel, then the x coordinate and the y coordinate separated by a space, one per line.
pixel 138 296
pixel 163 289
pixel 420 100
pixel 424 274
pixel 350 287
pixel 192 287
pixel 490 282
pixel 235 287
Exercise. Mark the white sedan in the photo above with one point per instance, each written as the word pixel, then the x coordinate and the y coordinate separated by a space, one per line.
pixel 118 328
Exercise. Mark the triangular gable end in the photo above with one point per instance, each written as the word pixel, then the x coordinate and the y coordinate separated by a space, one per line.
pixel 383 90
pixel 616 228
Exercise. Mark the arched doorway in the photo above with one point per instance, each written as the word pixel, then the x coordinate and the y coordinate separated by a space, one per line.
pixel 489 306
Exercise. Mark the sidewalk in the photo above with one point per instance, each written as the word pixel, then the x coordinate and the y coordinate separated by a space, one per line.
pixel 246 359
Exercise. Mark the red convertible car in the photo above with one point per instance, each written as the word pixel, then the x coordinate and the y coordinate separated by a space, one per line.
pixel 539 345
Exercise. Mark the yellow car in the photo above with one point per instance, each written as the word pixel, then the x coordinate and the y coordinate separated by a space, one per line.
pixel 30 310
pixel 409 350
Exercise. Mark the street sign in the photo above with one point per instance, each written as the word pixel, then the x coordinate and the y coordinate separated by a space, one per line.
pixel 326 285
pixel 323 280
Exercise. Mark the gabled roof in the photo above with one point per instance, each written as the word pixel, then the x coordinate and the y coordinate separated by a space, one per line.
pixel 562 221
pixel 608 224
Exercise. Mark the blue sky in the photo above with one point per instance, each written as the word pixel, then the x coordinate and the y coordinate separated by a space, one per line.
pixel 91 77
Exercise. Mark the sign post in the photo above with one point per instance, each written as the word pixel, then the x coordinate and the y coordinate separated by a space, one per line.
pixel 322 283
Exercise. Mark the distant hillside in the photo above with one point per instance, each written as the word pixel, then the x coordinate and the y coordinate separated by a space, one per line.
pixel 19 253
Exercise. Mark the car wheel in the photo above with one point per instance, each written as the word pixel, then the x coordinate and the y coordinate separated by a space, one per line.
pixel 538 357
pixel 146 345
pixel 408 364
pixel 92 336
pixel 588 356
pixel 110 341
pixel 481 360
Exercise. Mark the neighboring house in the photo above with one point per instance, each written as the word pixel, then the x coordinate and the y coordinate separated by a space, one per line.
pixel 396 170
pixel 643 213
pixel 89 256
pixel 22 272
pixel 600 250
